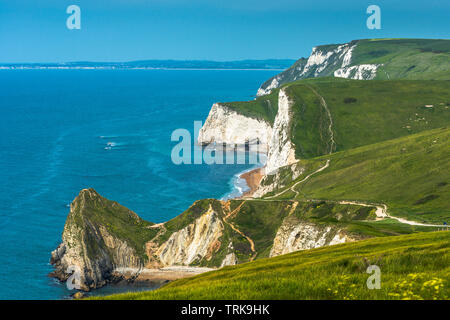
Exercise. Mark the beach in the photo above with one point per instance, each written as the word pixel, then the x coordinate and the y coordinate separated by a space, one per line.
pixel 252 178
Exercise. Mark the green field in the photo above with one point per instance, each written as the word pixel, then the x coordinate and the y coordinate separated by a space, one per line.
pixel 410 174
pixel 412 267
pixel 425 59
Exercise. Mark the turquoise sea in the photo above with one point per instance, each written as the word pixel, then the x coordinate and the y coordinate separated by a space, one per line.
pixel 65 130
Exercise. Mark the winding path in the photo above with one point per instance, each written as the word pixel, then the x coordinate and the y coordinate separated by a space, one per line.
pixel 301 181
pixel 226 207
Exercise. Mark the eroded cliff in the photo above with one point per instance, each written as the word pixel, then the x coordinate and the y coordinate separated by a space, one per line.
pixel 101 237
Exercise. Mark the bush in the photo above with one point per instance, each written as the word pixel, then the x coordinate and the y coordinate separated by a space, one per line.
pixel 350 100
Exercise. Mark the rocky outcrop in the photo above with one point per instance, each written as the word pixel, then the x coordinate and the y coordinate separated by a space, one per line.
pixel 225 125
pixel 358 72
pixel 331 60
pixel 281 149
pixel 199 240
pixel 103 241
pixel 293 237
pixel 89 252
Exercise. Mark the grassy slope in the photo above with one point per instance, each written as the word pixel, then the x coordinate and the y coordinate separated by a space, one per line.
pixel 264 108
pixel 117 219
pixel 260 221
pixel 410 174
pixel 412 266
pixel 364 112
pixel 406 58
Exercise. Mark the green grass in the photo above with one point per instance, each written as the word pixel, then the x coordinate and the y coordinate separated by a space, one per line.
pixel 364 112
pixel 425 59
pixel 410 174
pixel 412 267
pixel 264 108
pixel 410 59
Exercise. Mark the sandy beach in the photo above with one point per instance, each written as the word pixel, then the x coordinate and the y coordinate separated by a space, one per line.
pixel 252 178
pixel 161 275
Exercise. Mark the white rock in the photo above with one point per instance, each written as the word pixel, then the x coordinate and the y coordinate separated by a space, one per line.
pixel 281 149
pixel 361 72
pixel 224 125
pixel 196 241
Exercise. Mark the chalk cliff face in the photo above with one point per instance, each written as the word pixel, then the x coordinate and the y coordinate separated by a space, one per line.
pixel 191 244
pixel 330 60
pixel 359 72
pixel 224 125
pixel 293 237
pixel 281 150
pixel 101 237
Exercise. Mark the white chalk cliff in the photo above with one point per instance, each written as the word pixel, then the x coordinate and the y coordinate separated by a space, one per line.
pixel 196 241
pixel 358 72
pixel 281 149
pixel 225 125
pixel 332 60
pixel 305 235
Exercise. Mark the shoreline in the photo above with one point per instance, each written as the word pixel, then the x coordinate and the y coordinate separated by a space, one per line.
pixel 252 179
pixel 159 275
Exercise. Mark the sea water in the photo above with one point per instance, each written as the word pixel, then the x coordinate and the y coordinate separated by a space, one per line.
pixel 65 130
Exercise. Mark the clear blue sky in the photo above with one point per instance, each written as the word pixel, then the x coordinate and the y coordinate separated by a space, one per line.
pixel 123 30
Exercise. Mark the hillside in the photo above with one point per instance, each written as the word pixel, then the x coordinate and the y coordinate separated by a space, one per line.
pixel 363 112
pixel 410 175
pixel 379 59
pixel 102 237
pixel 412 267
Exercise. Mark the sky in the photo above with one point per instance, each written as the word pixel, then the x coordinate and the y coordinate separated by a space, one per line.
pixel 126 30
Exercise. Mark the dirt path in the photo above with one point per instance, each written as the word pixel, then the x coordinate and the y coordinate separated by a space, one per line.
pixel 161 231
pixel 226 208
pixel 301 181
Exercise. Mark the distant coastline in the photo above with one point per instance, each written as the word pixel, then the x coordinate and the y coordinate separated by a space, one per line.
pixel 270 64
